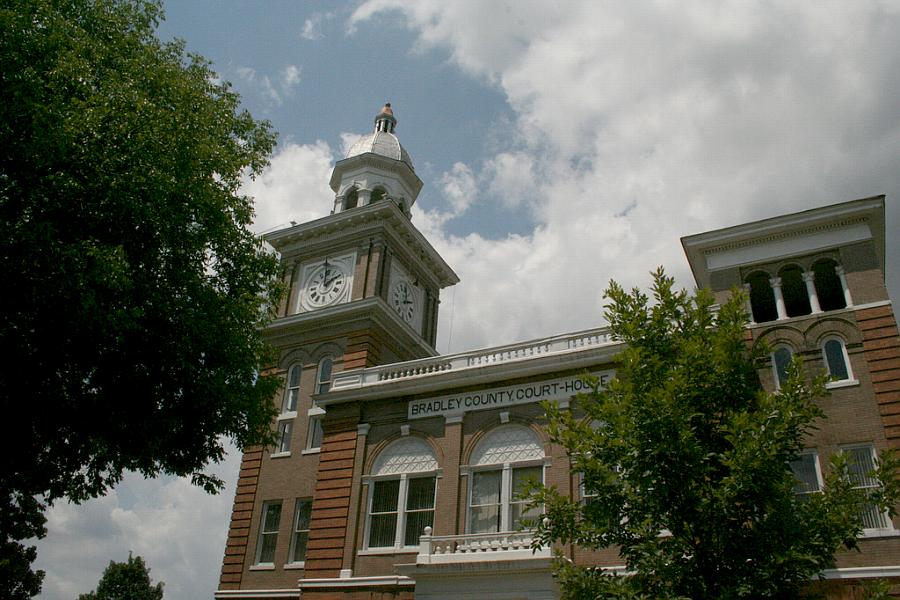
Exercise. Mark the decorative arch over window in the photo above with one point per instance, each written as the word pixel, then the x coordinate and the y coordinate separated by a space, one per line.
pixel 762 299
pixel 323 375
pixel 401 494
pixel 793 288
pixel 837 361
pixel 351 198
pixel 502 463
pixel 829 289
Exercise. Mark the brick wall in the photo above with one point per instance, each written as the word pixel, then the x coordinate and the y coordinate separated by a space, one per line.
pixel 881 345
pixel 239 530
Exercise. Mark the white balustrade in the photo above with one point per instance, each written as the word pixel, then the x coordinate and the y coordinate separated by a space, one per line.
pixel 477 547
pixel 467 360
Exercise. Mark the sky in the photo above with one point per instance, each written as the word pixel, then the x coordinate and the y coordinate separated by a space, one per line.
pixel 561 144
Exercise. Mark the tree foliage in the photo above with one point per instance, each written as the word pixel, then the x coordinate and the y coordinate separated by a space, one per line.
pixel 132 283
pixel 687 459
pixel 126 581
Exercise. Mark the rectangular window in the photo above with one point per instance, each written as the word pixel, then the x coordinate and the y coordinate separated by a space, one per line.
pixel 292 393
pixel 268 532
pixel 419 508
pixel 285 429
pixel 485 508
pixel 383 516
pixel 314 434
pixel 518 504
pixel 862 463
pixel 806 471
pixel 300 536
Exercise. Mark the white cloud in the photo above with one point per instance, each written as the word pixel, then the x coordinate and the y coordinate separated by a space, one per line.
pixel 347 141
pixel 312 27
pixel 294 187
pixel 459 188
pixel 639 123
pixel 275 93
pixel 290 77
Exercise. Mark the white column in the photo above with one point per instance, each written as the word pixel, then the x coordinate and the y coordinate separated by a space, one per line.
pixel 808 279
pixel 365 196
pixel 840 273
pixel 748 306
pixel 775 282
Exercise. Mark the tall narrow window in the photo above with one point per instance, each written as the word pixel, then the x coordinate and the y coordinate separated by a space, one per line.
pixel 401 494
pixel 502 464
pixel 828 285
pixel 315 432
pixel 781 358
pixel 806 471
pixel 268 532
pixel 762 298
pixel 834 352
pixel 323 375
pixel 300 535
pixel 292 390
pixel 351 199
pixel 285 430
pixel 862 463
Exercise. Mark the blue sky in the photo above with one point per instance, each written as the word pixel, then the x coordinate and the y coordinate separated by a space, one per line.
pixel 561 144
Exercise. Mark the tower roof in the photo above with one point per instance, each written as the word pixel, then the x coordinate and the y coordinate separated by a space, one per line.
pixel 382 140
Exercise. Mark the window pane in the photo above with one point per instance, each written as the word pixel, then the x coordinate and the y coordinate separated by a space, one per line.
pixel 861 464
pixel 484 519
pixel 324 376
pixel 420 494
pixel 285 429
pixel 315 433
pixel 519 513
pixel 782 357
pixel 383 528
pixel 304 509
pixel 834 355
pixel 804 469
pixel 272 517
pixel 295 376
pixel 267 549
pixel 384 496
pixel 523 475
pixel 486 487
pixel 298 548
pixel 416 522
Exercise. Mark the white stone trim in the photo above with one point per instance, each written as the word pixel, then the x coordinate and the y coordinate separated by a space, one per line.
pixel 355 582
pixel 290 593
pixel 862 572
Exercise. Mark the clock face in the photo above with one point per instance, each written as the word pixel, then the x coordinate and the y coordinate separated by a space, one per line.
pixel 403 300
pixel 326 285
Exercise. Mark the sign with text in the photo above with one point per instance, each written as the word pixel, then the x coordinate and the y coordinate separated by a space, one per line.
pixel 561 388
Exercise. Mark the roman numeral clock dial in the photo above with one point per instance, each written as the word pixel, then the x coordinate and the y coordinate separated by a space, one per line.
pixel 326 285
pixel 403 300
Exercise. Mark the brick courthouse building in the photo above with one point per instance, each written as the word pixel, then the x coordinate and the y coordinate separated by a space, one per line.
pixel 396 468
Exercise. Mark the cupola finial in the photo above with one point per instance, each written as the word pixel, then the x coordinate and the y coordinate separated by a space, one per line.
pixel 385 121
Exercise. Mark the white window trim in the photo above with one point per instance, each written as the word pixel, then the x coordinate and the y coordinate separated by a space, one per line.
pixel 870 532
pixel 297 564
pixel 775 376
pixel 279 453
pixel 505 488
pixel 288 389
pixel 820 481
pixel 319 381
pixel 400 531
pixel 313 414
pixel 265 566
pixel 838 383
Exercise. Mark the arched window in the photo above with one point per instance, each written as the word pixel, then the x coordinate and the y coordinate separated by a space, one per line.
pixel 834 353
pixel 796 297
pixel 323 375
pixel 377 195
pixel 828 285
pixel 401 494
pixel 762 299
pixel 351 198
pixel 502 463
pixel 292 389
pixel 781 358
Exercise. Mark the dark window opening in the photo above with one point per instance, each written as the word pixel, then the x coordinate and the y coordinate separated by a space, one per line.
pixel 351 199
pixel 828 285
pixel 762 299
pixel 793 288
pixel 377 196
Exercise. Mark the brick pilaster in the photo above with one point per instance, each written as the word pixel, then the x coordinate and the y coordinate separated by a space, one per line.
pixel 881 344
pixel 239 530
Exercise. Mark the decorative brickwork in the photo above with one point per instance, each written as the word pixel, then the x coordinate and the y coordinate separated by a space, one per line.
pixel 882 350
pixel 331 502
pixel 239 530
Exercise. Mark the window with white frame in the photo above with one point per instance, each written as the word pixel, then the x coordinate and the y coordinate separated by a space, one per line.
pixel 314 432
pixel 781 358
pixel 837 361
pixel 300 533
pixel 323 375
pixel 292 389
pixel 807 473
pixel 268 532
pixel 503 462
pixel 861 465
pixel 285 431
pixel 401 494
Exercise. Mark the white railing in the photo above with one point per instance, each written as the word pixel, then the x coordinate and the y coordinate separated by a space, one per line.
pixel 477 358
pixel 477 547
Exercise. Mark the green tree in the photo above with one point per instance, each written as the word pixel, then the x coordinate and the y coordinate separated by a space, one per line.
pixel 687 460
pixel 126 581
pixel 132 285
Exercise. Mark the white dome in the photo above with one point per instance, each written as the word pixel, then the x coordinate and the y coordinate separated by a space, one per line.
pixel 383 144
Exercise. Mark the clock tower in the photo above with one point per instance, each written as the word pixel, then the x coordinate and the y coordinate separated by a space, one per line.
pixel 363 290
